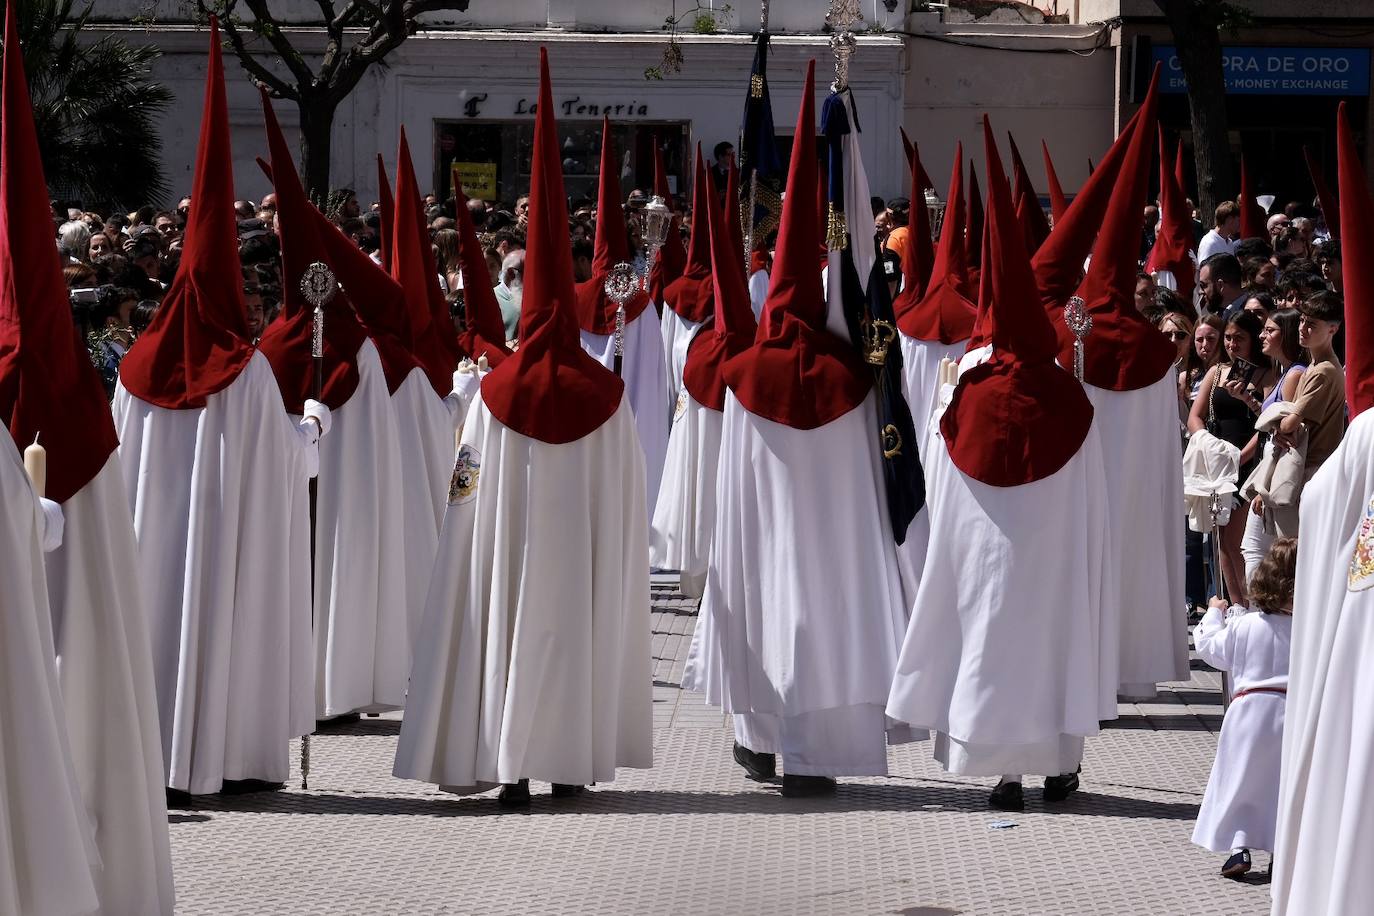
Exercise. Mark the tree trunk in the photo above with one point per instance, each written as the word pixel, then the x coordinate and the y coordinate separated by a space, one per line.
pixel 317 126
pixel 1194 24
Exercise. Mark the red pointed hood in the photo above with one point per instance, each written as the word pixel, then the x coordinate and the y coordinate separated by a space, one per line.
pixel 49 390
pixel 1252 218
pixel 672 260
pixel 1357 234
pixel 798 373
pixel 973 235
pixel 1174 240
pixel 1180 171
pixel 1124 352
pixel 946 313
pixel 550 389
pixel 1058 202
pixel 287 340
pixel 433 338
pixel 731 215
pixel 485 334
pixel 1331 207
pixel 691 295
pixel 919 260
pixel 732 327
pixel 596 310
pixel 387 210
pixel 198 341
pixel 1035 228
pixel 1018 417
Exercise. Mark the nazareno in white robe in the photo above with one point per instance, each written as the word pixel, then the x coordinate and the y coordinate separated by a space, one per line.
pixel 1242 797
pixel 677 337
pixel 1001 658
pixel 803 614
pixel 685 517
pixel 1326 798
pixel 1139 435
pixel 533 661
pixel 47 855
pixel 362 630
pixel 646 385
pixel 104 662
pixel 220 500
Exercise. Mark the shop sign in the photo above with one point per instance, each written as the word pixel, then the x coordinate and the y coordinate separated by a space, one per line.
pixel 478 178
pixel 576 107
pixel 1278 71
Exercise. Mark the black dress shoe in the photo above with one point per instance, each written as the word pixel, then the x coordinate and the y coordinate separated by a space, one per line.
pixel 1008 797
pixel 758 767
pixel 248 786
pixel 1237 866
pixel 564 790
pixel 806 786
pixel 1058 788
pixel 516 795
pixel 179 799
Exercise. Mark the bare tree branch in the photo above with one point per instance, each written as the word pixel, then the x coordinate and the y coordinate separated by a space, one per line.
pixel 251 64
pixel 266 27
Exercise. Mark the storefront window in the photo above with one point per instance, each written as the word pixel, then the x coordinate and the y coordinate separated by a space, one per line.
pixel 493 157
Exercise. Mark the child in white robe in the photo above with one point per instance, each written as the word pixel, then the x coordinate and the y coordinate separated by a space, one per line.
pixel 1240 805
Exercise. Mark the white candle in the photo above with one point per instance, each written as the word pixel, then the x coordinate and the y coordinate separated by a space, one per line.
pixel 36 463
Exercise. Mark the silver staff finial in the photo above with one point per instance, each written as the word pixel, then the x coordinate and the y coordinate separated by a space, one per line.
pixel 1080 323
pixel 841 19
pixel 318 286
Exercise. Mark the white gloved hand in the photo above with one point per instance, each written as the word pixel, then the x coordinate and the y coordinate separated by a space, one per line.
pixel 308 429
pixel 53 524
pixel 321 414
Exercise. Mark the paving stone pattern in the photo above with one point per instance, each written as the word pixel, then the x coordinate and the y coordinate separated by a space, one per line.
pixel 693 836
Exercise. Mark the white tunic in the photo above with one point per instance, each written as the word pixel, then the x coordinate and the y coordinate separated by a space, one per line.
pixel 104 663
pixel 222 512
pixel 1326 799
pixel 758 292
pixel 46 855
pixel 646 385
pixel 1001 655
pixel 685 517
pixel 1242 795
pixel 803 613
pixel 362 631
pixel 533 660
pixel 1140 453
pixel 677 337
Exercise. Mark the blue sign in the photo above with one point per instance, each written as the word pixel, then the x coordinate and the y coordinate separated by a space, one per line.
pixel 1278 71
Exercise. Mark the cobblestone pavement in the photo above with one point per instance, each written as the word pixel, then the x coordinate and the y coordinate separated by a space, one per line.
pixel 693 836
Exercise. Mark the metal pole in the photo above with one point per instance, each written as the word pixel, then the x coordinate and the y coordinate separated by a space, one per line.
pixel 1221 586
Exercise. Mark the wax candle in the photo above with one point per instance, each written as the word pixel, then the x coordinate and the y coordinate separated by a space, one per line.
pixel 36 463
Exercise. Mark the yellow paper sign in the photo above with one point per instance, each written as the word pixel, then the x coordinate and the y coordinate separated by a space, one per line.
pixel 478 178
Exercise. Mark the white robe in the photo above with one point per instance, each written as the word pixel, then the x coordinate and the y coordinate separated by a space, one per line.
pixel 646 385
pixel 1326 799
pixel 1242 797
pixel 1140 453
pixel 758 292
pixel 425 430
pixel 104 660
pixel 533 660
pixel 46 851
pixel 677 337
pixel 221 507
pixel 362 631
pixel 1001 657
pixel 803 614
pixel 685 517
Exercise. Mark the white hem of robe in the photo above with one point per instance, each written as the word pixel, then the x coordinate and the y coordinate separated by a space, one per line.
pixel 685 517
pixel 846 741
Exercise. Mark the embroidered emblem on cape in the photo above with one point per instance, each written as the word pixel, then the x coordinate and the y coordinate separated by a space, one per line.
pixel 1362 561
pixel 681 407
pixel 463 487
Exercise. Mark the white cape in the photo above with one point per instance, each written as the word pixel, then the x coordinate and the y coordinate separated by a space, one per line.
pixel 685 517
pixel 803 613
pixel 1326 800
pixel 46 852
pixel 677 337
pixel 362 631
pixel 104 660
pixel 1138 431
pixel 221 507
pixel 646 385
pixel 1002 653
pixel 533 660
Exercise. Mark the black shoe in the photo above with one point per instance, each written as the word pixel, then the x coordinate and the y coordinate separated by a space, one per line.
pixel 516 795
pixel 1058 788
pixel 806 786
pixel 248 786
pixel 758 767
pixel 347 718
pixel 563 790
pixel 1008 797
pixel 179 799
pixel 1237 866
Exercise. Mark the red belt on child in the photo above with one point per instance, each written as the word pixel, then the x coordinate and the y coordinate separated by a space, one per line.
pixel 1240 693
